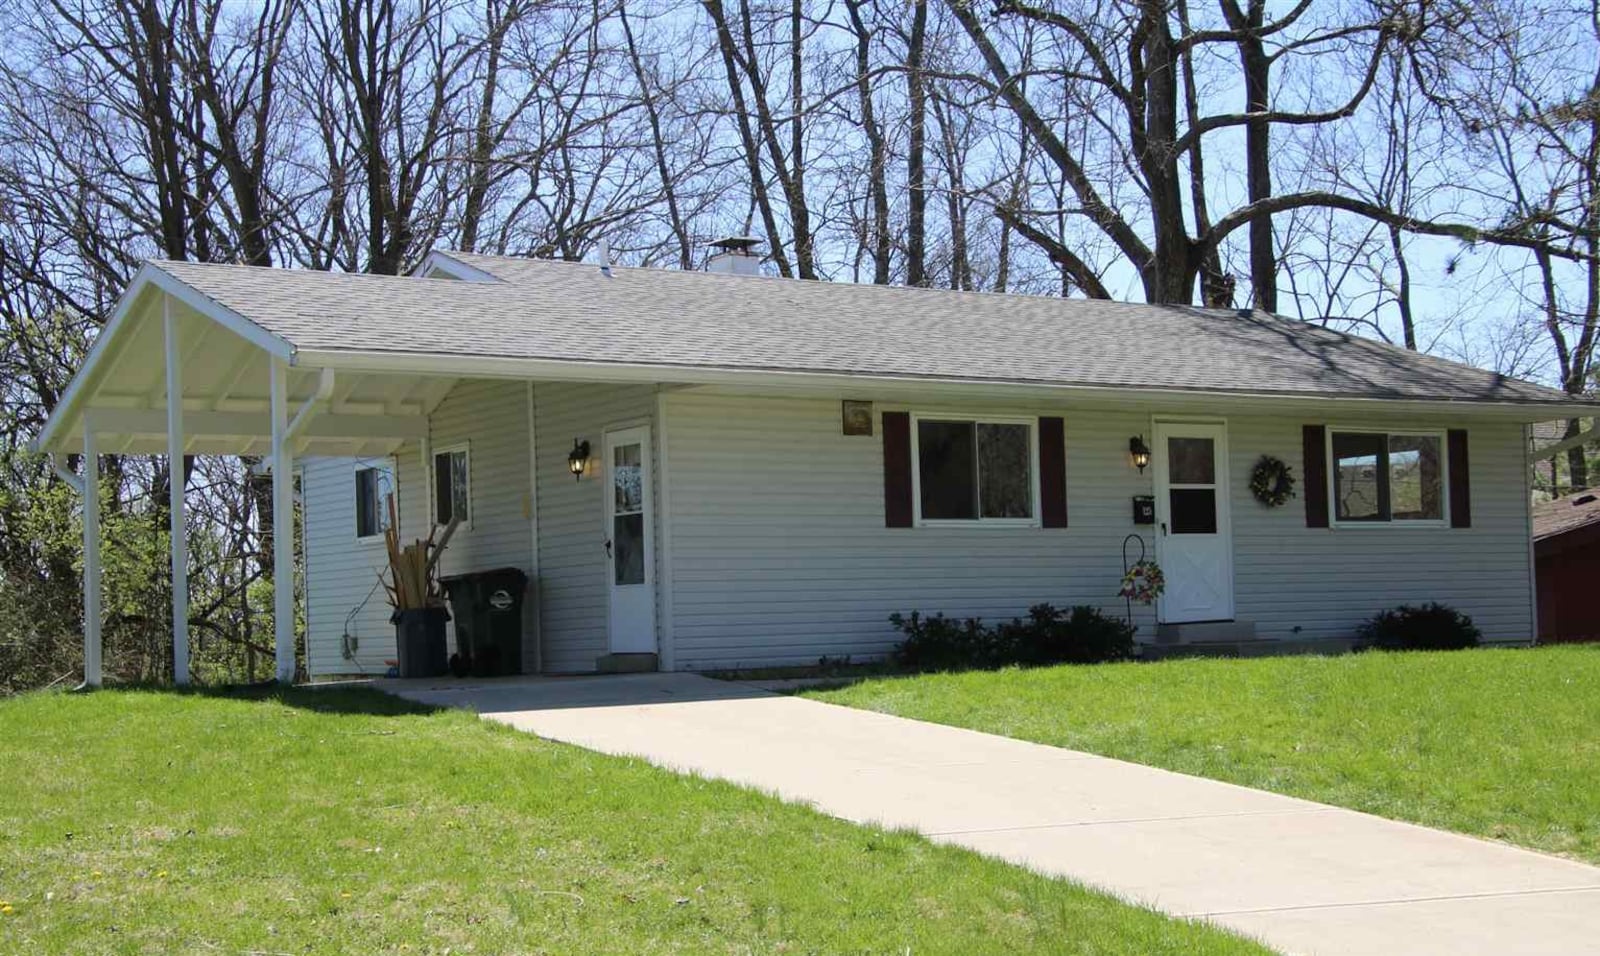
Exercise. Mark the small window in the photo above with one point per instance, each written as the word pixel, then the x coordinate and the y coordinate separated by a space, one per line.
pixel 452 486
pixel 375 498
pixel 975 470
pixel 1381 477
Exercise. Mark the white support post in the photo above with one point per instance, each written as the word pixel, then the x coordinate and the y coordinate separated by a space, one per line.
pixel 92 648
pixel 180 536
pixel 282 525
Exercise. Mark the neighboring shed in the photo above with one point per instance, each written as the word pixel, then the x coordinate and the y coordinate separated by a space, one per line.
pixel 1566 544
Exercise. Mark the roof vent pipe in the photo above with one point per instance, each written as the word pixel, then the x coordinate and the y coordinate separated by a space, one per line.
pixel 735 256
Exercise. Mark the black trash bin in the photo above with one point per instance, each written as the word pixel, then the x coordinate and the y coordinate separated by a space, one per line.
pixel 488 615
pixel 419 641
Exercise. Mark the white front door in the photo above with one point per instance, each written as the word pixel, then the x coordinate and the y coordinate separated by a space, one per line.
pixel 629 541
pixel 1194 536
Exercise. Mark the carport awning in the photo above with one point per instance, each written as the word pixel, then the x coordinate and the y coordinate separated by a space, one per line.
pixel 225 367
pixel 175 372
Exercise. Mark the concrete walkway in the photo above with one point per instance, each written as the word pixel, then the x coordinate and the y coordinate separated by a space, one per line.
pixel 1301 876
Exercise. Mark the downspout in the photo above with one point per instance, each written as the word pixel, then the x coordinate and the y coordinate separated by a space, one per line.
pixel 67 475
pixel 313 403
pixel 1533 559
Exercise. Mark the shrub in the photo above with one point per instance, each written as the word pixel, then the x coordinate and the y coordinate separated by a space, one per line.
pixel 1082 635
pixel 939 643
pixel 1046 636
pixel 1431 627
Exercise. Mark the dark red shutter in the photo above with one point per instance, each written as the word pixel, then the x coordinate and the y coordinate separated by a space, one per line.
pixel 1314 455
pixel 1052 473
pixel 1460 481
pixel 897 469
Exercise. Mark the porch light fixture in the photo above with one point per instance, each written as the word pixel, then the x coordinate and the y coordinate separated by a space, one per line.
pixel 578 458
pixel 1140 452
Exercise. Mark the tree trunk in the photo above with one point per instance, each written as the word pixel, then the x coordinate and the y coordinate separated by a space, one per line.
pixel 1169 276
pixel 916 149
pixel 1257 66
pixel 879 239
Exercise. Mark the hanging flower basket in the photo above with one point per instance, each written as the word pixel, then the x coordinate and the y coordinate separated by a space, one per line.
pixel 1272 481
pixel 1143 583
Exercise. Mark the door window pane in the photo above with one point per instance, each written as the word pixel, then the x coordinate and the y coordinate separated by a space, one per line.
pixel 627 479
pixel 947 470
pixel 1191 461
pixel 1358 476
pixel 1193 510
pixel 1416 481
pixel 1005 471
pixel 627 548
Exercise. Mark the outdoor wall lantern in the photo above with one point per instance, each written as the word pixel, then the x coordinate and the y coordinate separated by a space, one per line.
pixel 578 458
pixel 1139 451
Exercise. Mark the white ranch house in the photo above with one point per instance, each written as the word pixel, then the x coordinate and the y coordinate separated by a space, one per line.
pixel 776 466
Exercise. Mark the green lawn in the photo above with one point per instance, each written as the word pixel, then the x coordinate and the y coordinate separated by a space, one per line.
pixel 347 822
pixel 1499 743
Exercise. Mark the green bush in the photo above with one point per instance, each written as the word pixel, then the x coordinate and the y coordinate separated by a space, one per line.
pixel 940 643
pixel 1431 627
pixel 1080 636
pixel 1047 635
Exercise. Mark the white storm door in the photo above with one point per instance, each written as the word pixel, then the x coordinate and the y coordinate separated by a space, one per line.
pixel 1194 536
pixel 629 544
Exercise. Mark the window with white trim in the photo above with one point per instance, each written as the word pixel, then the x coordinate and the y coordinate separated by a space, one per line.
pixel 452 485
pixel 1387 476
pixel 978 470
pixel 375 497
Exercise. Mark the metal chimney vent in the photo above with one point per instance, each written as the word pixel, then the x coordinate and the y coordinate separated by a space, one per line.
pixel 735 256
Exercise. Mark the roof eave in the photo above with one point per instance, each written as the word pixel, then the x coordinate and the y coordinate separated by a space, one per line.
pixel 106 344
pixel 641 373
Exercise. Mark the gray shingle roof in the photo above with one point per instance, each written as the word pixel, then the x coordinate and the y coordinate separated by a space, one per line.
pixel 571 312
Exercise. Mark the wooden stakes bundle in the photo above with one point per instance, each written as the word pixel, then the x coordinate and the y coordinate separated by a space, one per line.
pixel 413 580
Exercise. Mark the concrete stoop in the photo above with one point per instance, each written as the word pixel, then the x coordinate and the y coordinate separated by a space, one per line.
pixel 1206 632
pixel 627 663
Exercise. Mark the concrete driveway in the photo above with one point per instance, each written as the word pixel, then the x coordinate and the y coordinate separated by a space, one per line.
pixel 1301 876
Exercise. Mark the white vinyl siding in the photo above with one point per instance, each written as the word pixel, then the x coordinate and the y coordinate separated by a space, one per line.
pixel 1325 581
pixel 490 416
pixel 572 558
pixel 780 555
pixel 341 574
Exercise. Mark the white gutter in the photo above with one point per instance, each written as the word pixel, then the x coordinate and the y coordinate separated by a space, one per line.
pixel 465 366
